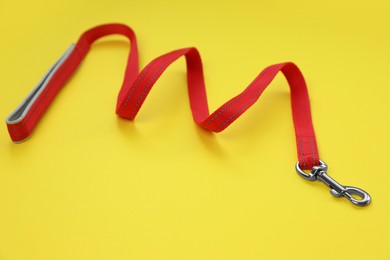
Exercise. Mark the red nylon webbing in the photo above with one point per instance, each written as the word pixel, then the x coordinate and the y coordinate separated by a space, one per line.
pixel 136 87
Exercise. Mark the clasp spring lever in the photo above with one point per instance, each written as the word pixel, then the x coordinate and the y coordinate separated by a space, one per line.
pixel 320 173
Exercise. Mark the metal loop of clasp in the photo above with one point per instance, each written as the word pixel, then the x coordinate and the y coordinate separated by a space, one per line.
pixel 337 190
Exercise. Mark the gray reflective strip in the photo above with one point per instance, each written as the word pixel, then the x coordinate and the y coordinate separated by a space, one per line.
pixel 20 112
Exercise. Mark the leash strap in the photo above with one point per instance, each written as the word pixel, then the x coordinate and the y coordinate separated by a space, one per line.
pixel 136 86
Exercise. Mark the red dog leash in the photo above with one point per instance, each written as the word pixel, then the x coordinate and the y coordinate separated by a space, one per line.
pixel 136 86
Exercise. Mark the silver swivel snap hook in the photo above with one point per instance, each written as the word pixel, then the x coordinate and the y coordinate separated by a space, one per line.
pixel 337 190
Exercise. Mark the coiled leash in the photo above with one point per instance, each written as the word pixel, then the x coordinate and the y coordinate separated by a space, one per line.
pixel 136 86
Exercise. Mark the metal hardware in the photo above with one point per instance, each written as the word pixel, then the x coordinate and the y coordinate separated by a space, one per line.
pixel 337 190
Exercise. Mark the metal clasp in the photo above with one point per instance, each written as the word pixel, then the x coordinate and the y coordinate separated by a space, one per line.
pixel 337 190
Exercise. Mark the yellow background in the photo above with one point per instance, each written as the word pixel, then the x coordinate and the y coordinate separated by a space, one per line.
pixel 89 185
